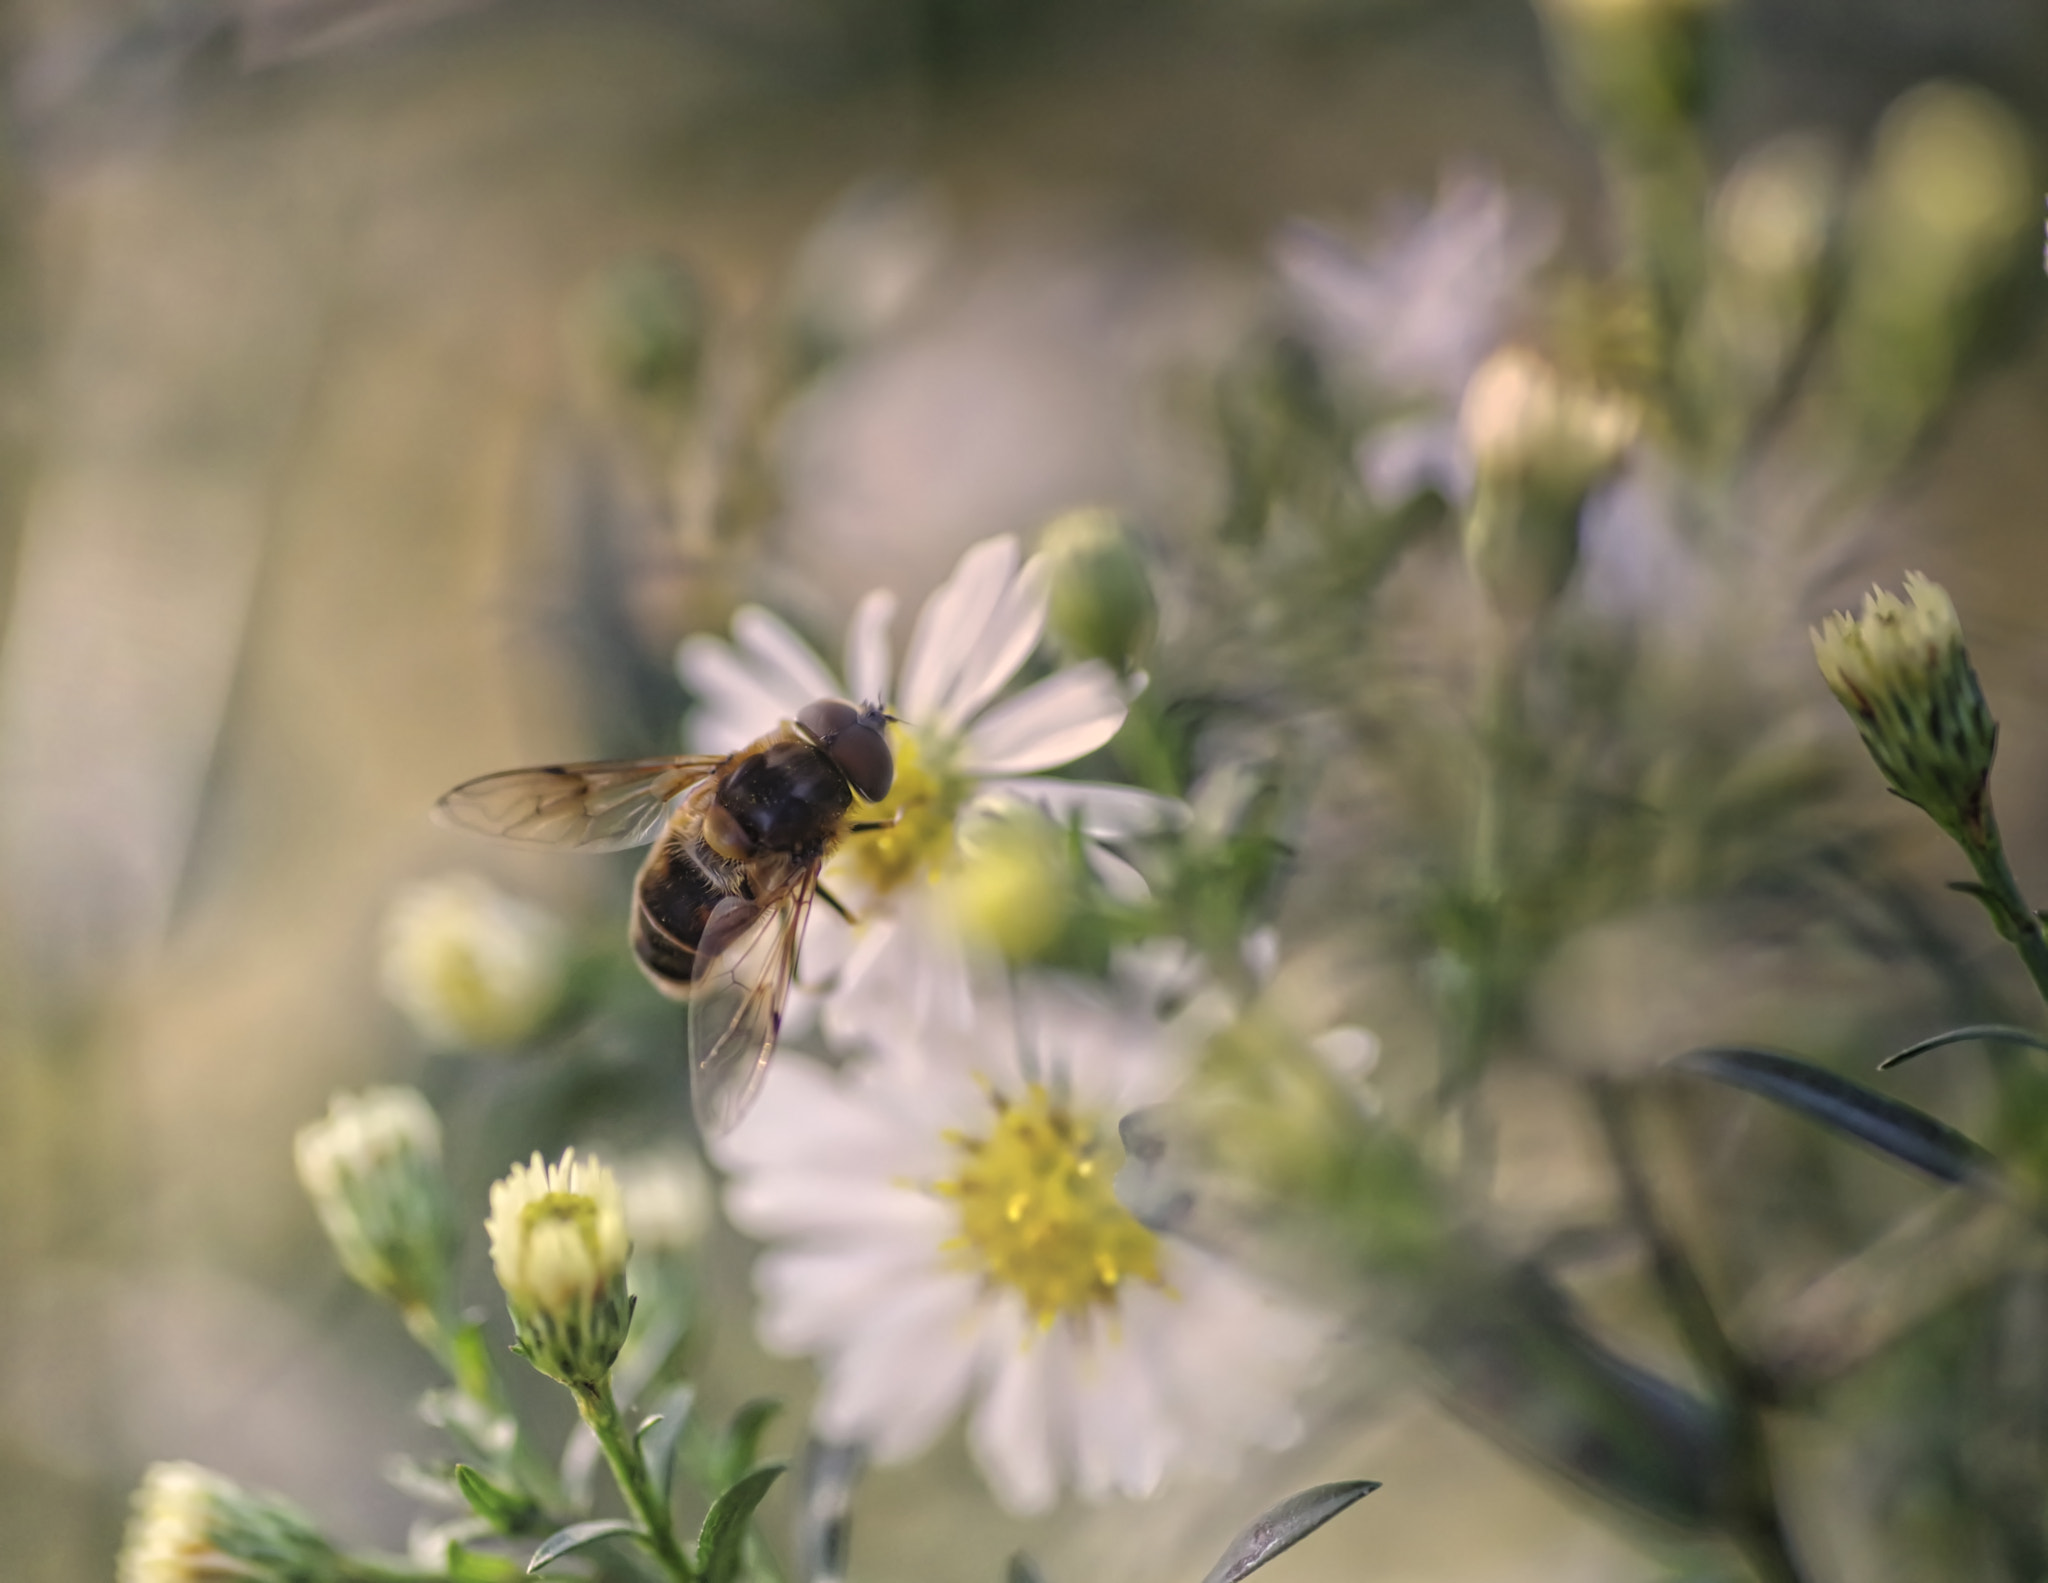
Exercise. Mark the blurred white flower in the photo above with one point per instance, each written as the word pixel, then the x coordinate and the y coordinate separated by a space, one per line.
pixel 469 965
pixel 1413 316
pixel 667 1199
pixel 959 751
pixel 191 1525
pixel 946 1236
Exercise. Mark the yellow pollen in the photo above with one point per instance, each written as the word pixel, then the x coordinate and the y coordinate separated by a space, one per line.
pixel 927 795
pixel 1037 1214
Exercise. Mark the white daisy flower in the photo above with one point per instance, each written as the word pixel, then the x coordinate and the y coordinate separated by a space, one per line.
pixel 1413 316
pixel 945 1236
pixel 961 750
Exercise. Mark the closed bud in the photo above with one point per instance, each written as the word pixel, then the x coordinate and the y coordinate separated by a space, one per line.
pixel 470 966
pixel 190 1525
pixel 1100 604
pixel 1014 889
pixel 1539 444
pixel 372 1167
pixel 1903 673
pixel 558 1245
pixel 1941 217
pixel 1637 71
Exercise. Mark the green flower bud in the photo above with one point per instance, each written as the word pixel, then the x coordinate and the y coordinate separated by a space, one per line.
pixel 372 1167
pixel 1539 444
pixel 1634 70
pixel 1014 887
pixel 644 323
pixel 1901 670
pixel 1100 604
pixel 190 1525
pixel 558 1245
pixel 1942 215
pixel 470 966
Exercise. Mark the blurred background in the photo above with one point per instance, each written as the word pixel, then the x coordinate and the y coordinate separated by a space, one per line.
pixel 342 344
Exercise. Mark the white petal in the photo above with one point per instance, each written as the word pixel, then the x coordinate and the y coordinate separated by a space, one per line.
pixel 1120 881
pixel 811 1297
pixel 1123 1434
pixel 1102 810
pixel 904 1373
pixel 867 647
pixel 822 1206
pixel 784 661
pixel 1006 642
pixel 950 624
pixel 1011 1434
pixel 1054 722
pixel 729 692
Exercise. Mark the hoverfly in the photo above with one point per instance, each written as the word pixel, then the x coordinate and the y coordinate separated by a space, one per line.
pixel 720 903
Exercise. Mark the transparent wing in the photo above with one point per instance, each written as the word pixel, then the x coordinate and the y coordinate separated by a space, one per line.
pixel 593 807
pixel 745 963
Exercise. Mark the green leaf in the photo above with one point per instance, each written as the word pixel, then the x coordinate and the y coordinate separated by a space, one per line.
pixel 505 1510
pixel 725 1526
pixel 743 1436
pixel 1023 1569
pixel 469 1362
pixel 659 1436
pixel 1910 1136
pixel 1293 1520
pixel 1990 1032
pixel 577 1535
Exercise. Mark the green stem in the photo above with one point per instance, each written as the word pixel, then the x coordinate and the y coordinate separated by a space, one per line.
pixel 2014 919
pixel 477 1379
pixel 649 1505
pixel 361 1569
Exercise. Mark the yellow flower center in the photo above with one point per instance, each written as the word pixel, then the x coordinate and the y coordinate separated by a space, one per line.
pixel 924 801
pixel 1038 1211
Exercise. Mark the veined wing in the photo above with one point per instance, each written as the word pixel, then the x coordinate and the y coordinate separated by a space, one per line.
pixel 592 807
pixel 745 963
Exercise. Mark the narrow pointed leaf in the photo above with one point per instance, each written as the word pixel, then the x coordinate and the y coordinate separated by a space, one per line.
pixel 1910 1136
pixel 505 1510
pixel 577 1535
pixel 1990 1032
pixel 1293 1520
pixel 743 1438
pixel 725 1526
pixel 660 1435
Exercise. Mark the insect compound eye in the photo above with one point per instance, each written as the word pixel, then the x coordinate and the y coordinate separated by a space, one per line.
pixel 866 760
pixel 825 718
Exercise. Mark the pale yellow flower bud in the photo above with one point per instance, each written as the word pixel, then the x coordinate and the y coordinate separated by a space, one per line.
pixel 1903 673
pixel 1635 70
pixel 372 1167
pixel 470 965
pixel 1539 444
pixel 190 1525
pixel 1014 887
pixel 559 1247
